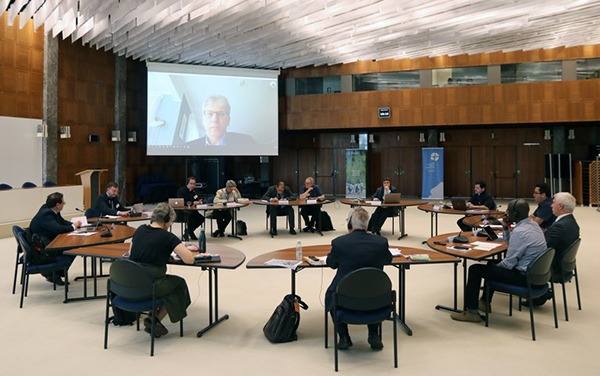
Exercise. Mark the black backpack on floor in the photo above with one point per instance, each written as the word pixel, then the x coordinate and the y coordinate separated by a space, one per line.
pixel 326 224
pixel 284 321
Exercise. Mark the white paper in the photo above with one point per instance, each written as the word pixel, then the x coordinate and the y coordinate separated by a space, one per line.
pixel 290 264
pixel 484 246
pixel 284 202
pixel 202 206
pixel 311 201
pixel 112 216
pixel 374 203
pixel 82 219
pixel 82 233
pixel 395 251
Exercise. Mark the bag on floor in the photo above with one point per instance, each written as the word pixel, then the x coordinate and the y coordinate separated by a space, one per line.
pixel 242 229
pixel 120 316
pixel 40 256
pixel 326 224
pixel 284 321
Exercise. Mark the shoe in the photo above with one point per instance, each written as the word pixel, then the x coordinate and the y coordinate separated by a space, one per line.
pixel 482 307
pixel 306 229
pixel 185 237
pixel 378 232
pixel 57 280
pixel 293 232
pixel 273 233
pixel 192 236
pixel 312 230
pixel 221 234
pixel 466 316
pixel 375 342
pixel 159 328
pixel 215 234
pixel 344 343
pixel 537 302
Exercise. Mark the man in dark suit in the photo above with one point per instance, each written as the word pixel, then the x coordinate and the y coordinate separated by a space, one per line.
pixel 481 200
pixel 191 198
pixel 274 194
pixel 108 203
pixel 311 213
pixel 381 214
pixel 350 252
pixel 543 214
pixel 561 234
pixel 48 224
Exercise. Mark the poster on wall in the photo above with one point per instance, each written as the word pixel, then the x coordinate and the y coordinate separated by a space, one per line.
pixel 433 174
pixel 356 173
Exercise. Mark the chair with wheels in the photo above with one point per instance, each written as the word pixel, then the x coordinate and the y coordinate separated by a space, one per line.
pixel 28 268
pixel 362 297
pixel 568 272
pixel 538 276
pixel 134 290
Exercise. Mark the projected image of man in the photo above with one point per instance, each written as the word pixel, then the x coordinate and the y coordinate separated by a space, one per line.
pixel 216 116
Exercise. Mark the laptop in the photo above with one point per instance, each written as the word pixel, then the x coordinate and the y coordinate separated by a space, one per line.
pixel 392 198
pixel 491 234
pixel 176 203
pixel 459 203
pixel 88 228
pixel 137 210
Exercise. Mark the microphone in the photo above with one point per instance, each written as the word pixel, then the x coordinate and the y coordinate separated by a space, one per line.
pixel 107 233
pixel 460 238
pixel 80 210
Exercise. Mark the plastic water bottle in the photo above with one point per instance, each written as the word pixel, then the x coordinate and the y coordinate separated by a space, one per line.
pixel 299 251
pixel 202 241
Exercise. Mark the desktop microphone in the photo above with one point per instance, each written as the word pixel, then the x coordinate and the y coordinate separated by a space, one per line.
pixel 460 238
pixel 107 233
pixel 80 210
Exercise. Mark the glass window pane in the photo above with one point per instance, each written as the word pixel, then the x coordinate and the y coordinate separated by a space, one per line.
pixel 318 85
pixel 466 76
pixel 588 69
pixel 531 72
pixel 385 81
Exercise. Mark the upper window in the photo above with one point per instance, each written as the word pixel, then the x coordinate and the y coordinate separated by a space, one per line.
pixel 531 72
pixel 319 85
pixel 459 76
pixel 588 69
pixel 385 81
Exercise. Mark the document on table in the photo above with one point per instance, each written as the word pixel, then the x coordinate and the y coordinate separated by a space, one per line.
pixel 484 246
pixel 290 264
pixel 82 233
pixel 395 251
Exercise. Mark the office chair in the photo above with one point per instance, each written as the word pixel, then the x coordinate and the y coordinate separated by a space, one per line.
pixel 28 268
pixel 538 275
pixel 49 183
pixel 279 215
pixel 19 259
pixel 396 213
pixel 362 297
pixel 5 187
pixel 29 184
pixel 134 290
pixel 568 272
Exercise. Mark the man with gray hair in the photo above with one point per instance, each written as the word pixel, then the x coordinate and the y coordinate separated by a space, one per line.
pixel 228 194
pixel 350 252
pixel 561 234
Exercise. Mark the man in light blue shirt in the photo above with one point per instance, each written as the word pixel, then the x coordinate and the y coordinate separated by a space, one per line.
pixel 525 242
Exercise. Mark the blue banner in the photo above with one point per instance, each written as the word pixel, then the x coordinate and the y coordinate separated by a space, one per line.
pixel 433 174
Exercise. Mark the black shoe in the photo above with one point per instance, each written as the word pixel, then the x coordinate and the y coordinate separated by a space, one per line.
pixel 306 229
pixel 293 232
pixel 344 343
pixel 192 236
pixel 312 229
pixel 375 342
pixel 221 233
pixel 273 233
pixel 215 234
pixel 57 280
pixel 185 237
pixel 159 328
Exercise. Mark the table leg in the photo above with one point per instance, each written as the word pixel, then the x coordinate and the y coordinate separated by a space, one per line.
pixel 455 308
pixel 402 285
pixel 94 275
pixel 213 303
pixel 234 225
pixel 401 223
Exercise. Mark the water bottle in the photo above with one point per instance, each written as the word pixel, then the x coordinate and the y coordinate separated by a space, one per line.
pixel 299 251
pixel 202 241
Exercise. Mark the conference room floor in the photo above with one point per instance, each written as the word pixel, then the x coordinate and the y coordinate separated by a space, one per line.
pixel 57 339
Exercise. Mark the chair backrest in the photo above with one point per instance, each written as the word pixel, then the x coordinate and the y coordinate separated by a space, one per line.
pixel 365 289
pixel 49 184
pixel 539 270
pixel 28 184
pixel 25 246
pixel 130 280
pixel 4 187
pixel 568 263
pixel 16 230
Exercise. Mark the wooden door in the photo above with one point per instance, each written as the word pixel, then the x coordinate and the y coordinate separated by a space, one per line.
pixel 339 172
pixel 457 171
pixel 307 166
pixel 285 167
pixel 530 168
pixel 482 167
pixel 409 171
pixel 325 167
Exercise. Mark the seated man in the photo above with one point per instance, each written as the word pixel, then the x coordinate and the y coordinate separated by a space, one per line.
pixel 228 194
pixel 561 234
pixel 108 203
pixel 274 194
pixel 525 243
pixel 310 213
pixel 543 215
pixel 480 200
pixel 191 198
pixel 48 223
pixel 350 252
pixel 381 213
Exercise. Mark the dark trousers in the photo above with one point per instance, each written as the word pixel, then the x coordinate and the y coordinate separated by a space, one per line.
pixel 62 258
pixel 310 214
pixel 462 225
pixel 194 220
pixel 223 217
pixel 378 218
pixel 274 211
pixel 489 272
pixel 342 329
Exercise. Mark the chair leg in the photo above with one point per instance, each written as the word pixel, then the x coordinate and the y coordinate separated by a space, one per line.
pixel 181 328
pixel 326 329
pixel 554 305
pixel 531 318
pixel 335 344
pixel 487 304
pixel 16 272
pixel 395 321
pixel 576 278
pixel 24 285
pixel 106 321
pixel 564 294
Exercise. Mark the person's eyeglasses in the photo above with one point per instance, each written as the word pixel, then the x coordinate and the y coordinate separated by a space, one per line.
pixel 220 114
pixel 536 193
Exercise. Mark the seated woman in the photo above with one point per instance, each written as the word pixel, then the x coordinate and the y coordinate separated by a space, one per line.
pixel 152 246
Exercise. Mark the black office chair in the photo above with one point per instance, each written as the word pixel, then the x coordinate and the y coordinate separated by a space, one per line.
pixel 568 272
pixel 393 215
pixel 134 290
pixel 279 215
pixel 28 268
pixel 19 259
pixel 5 187
pixel 49 183
pixel 29 184
pixel 92 213
pixel 538 275
pixel 364 296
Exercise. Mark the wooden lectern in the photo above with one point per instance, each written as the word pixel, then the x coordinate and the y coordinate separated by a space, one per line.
pixel 90 179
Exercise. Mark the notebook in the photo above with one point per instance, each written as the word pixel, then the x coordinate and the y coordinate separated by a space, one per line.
pixel 459 203
pixel 391 198
pixel 176 203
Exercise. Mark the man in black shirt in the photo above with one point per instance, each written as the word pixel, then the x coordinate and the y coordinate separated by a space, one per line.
pixel 108 203
pixel 480 200
pixel 274 194
pixel 191 198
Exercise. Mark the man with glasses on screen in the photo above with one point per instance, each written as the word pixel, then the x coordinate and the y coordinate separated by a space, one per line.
pixel 216 115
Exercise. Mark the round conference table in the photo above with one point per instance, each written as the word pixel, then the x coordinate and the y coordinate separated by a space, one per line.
pixel 70 240
pixel 299 203
pixel 221 206
pixel 435 209
pixel 399 205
